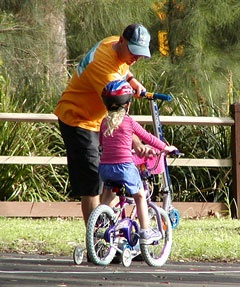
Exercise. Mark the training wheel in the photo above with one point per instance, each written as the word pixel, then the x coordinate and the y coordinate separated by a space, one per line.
pixel 126 257
pixel 78 255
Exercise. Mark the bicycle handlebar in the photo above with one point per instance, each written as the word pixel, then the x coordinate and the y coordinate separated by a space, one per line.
pixel 177 153
pixel 154 96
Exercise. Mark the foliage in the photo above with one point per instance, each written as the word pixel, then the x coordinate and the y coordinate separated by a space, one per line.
pixel 203 43
pixel 31 182
pixel 27 55
pixel 190 183
pixel 200 184
pixel 110 18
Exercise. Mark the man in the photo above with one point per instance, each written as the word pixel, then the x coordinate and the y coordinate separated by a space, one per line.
pixel 80 109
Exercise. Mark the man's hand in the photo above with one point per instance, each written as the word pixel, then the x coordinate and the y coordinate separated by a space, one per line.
pixel 137 87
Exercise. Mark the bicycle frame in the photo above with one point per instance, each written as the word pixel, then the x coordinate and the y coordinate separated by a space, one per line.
pixel 125 224
pixel 157 127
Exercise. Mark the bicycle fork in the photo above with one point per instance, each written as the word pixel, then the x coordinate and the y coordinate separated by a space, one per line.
pixel 166 189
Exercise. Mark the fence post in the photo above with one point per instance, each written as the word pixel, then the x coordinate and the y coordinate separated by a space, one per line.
pixel 235 137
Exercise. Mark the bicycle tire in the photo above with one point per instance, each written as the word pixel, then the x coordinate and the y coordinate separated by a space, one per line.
pixel 78 255
pixel 99 249
pixel 156 254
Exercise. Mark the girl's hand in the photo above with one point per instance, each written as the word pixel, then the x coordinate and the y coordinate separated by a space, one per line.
pixel 170 148
pixel 149 151
pixel 142 150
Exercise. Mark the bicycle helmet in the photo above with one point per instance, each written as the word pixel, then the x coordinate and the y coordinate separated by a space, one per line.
pixel 116 94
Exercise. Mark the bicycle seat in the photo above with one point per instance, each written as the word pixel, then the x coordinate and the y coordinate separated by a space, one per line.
pixel 118 188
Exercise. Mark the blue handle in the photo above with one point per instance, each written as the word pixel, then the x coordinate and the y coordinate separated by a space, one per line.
pixel 177 153
pixel 155 96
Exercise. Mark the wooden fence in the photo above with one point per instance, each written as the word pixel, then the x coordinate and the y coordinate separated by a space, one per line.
pixel 234 162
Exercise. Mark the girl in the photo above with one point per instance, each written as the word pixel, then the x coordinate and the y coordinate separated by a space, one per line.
pixel 116 163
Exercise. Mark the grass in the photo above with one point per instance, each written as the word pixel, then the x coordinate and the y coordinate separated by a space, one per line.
pixel 193 240
pixel 41 236
pixel 207 240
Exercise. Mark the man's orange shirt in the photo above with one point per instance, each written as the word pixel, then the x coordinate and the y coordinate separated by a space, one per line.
pixel 80 103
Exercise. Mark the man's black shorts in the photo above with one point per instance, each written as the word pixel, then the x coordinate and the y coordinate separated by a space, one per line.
pixel 83 159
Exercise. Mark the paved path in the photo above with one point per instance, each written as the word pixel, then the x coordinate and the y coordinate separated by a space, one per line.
pixel 36 271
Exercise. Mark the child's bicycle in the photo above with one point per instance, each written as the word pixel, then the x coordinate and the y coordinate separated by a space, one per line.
pixel 114 230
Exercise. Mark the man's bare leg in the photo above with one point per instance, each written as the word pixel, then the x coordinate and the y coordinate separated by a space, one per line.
pixel 88 204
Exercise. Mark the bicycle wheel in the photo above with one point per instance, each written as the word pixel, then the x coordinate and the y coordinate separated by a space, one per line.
pixel 156 254
pixel 78 255
pixel 100 235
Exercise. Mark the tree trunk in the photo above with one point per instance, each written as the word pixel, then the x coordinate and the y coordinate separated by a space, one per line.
pixel 55 21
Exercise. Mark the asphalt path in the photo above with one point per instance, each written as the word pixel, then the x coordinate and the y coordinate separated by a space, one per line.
pixel 36 271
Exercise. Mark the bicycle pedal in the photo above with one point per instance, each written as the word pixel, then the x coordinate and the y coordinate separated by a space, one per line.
pixel 130 200
pixel 116 209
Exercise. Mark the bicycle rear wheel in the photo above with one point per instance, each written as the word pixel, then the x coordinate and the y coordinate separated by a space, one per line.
pixel 98 240
pixel 157 253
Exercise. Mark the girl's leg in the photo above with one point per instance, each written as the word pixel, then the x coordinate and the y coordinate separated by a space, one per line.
pixel 108 197
pixel 142 208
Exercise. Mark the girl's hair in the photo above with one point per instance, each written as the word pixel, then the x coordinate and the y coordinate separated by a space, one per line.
pixel 113 120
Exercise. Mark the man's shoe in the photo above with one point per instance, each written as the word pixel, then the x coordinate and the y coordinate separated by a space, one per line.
pixel 117 258
pixel 88 259
pixel 138 258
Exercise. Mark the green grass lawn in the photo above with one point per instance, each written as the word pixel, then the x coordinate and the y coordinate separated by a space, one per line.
pixel 193 240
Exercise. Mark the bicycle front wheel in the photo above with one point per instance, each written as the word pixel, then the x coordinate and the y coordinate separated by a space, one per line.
pixel 99 239
pixel 157 253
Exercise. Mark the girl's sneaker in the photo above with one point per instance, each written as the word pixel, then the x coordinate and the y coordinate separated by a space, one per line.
pixel 149 236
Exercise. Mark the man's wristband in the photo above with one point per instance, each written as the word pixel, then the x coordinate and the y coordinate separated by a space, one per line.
pixel 129 79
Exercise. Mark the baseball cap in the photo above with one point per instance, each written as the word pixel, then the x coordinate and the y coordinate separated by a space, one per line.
pixel 138 39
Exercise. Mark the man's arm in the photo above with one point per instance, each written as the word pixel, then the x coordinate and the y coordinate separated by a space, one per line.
pixel 135 84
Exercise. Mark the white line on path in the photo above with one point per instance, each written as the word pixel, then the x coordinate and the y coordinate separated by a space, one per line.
pixel 122 272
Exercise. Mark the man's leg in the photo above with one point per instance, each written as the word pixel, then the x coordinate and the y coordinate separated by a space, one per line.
pixel 88 204
pixel 83 160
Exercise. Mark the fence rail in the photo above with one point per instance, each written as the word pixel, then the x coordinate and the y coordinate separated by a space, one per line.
pixel 165 120
pixel 233 122
pixel 45 160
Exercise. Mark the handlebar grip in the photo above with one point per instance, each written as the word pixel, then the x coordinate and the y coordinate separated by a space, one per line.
pixel 177 153
pixel 155 96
